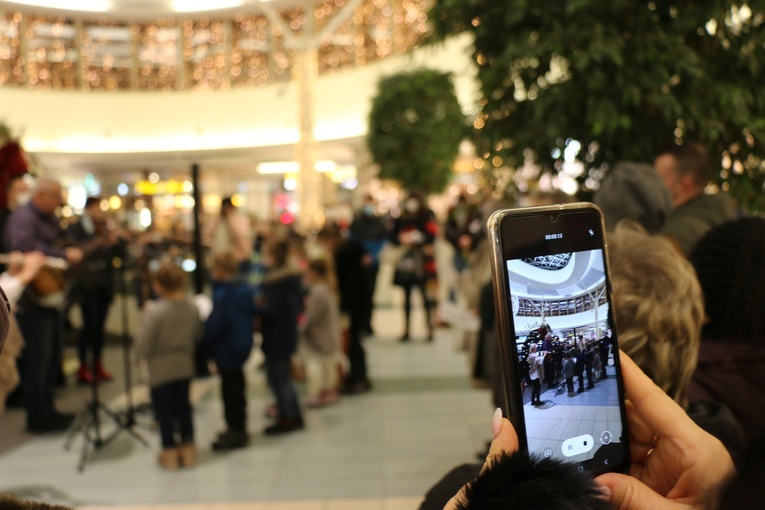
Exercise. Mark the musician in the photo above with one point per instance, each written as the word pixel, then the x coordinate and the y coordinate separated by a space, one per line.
pixel 34 227
pixel 232 230
pixel 95 287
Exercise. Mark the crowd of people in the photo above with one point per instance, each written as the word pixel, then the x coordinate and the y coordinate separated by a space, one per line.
pixel 687 278
pixel 682 264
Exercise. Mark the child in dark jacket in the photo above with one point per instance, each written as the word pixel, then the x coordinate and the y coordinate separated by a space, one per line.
pixel 279 307
pixel 228 341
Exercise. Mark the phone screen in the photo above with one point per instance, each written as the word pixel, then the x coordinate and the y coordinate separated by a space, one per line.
pixel 564 341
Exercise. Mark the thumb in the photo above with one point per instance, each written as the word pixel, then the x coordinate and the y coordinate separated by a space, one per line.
pixel 505 438
pixel 625 492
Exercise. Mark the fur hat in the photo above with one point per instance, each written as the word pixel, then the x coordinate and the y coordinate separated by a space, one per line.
pixel 635 191
pixel 730 264
pixel 518 481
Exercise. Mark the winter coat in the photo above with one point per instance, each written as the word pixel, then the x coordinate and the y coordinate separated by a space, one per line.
pixel 279 307
pixel 568 368
pixel 321 328
pixel 168 337
pixel 229 328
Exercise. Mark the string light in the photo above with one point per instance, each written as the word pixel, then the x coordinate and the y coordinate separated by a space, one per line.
pixel 45 52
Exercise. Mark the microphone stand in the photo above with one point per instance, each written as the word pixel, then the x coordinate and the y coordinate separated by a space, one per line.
pixel 88 423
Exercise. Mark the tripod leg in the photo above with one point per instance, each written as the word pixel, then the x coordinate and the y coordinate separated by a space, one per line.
pixel 86 440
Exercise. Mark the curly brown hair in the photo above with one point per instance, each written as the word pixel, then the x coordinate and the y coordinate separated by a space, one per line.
pixel 658 307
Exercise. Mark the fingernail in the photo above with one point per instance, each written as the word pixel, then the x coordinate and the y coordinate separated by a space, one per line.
pixel 496 422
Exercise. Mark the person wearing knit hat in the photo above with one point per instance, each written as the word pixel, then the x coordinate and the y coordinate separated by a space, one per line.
pixel 730 264
pixel 633 191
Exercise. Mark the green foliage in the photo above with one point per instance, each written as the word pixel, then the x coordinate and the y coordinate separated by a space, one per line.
pixel 415 128
pixel 624 78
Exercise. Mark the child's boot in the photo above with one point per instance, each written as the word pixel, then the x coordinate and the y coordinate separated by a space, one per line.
pixel 188 454
pixel 169 458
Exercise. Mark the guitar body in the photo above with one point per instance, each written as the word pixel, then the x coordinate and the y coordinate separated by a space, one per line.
pixel 50 287
pixel 48 281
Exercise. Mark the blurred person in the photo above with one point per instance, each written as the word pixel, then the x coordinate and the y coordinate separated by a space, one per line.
pixel 579 357
pixel 371 231
pixel 536 374
pixel 633 191
pixel 34 227
pixel 686 170
pixel 232 230
pixel 21 269
pixel 278 307
pixel 568 372
pixel 659 311
pixel 730 265
pixel 169 332
pixel 349 260
pixel 320 335
pixel 589 363
pixel 94 290
pixel 228 341
pixel 17 194
pixel 416 231
pixel 463 229
pixel 603 348
pixel 596 365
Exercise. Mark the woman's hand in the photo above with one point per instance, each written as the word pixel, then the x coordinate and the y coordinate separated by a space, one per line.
pixel 675 464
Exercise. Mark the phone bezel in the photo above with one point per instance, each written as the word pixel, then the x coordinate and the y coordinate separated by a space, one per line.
pixel 503 249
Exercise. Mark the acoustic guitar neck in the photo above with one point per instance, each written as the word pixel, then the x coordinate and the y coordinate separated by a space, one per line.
pixel 50 262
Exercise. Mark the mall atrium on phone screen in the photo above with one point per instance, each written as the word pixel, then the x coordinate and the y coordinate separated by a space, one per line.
pixel 560 305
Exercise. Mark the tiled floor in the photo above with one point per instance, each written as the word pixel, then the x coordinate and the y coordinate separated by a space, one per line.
pixel 562 417
pixel 379 451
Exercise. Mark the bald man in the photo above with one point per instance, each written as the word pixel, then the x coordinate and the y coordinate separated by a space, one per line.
pixel 34 227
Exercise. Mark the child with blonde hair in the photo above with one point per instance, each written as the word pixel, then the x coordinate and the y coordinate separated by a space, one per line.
pixel 168 335
pixel 320 335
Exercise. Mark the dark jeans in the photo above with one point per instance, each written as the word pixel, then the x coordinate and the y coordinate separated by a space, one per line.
pixel 95 307
pixel 232 388
pixel 370 277
pixel 570 384
pixel 357 358
pixel 172 409
pixel 580 376
pixel 280 382
pixel 422 287
pixel 536 390
pixel 590 384
pixel 41 328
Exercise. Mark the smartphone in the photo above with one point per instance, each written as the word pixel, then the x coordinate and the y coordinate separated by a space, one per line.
pixel 552 296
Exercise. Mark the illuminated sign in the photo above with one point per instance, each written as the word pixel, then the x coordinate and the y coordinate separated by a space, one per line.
pixel 163 187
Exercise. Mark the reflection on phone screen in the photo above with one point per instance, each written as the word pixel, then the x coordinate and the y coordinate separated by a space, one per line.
pixel 561 316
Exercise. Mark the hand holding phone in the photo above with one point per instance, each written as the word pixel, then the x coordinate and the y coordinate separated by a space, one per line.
pixel 552 293
pixel 678 474
pixel 675 463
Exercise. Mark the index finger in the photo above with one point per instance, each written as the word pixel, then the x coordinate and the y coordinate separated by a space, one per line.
pixel 656 408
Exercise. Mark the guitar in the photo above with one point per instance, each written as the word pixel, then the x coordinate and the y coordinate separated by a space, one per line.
pixel 49 288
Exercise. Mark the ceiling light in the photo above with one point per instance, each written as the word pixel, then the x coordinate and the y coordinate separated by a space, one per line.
pixel 69 5
pixel 286 167
pixel 204 5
